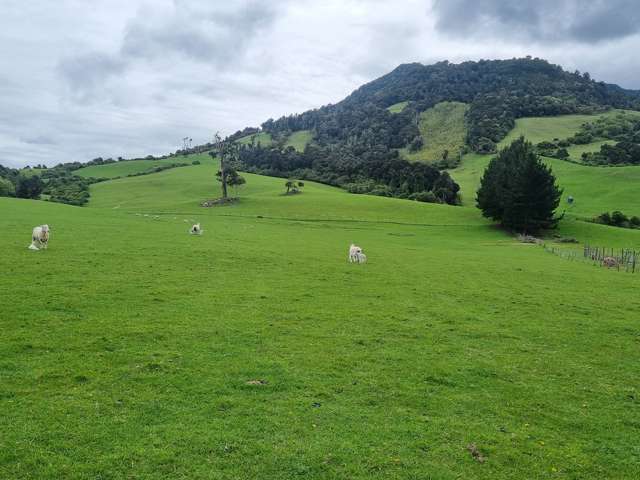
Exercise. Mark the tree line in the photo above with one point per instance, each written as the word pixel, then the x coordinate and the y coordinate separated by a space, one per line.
pixel 378 171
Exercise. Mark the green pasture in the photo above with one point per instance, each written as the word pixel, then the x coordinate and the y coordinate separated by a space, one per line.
pixel 397 107
pixel 133 350
pixel 442 128
pixel 539 129
pixel 594 189
pixel 299 140
pixel 128 167
pixel 262 138
pixel 576 151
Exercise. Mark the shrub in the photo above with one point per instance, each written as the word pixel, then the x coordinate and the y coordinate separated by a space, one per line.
pixel 29 187
pixel 619 219
pixel 416 144
pixel 7 189
pixel 427 197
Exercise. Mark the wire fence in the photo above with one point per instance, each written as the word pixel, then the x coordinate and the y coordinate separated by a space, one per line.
pixel 622 259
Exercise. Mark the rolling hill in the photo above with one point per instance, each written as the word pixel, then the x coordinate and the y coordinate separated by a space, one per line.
pixel 132 349
pixel 595 189
pixel 128 167
pixel 187 355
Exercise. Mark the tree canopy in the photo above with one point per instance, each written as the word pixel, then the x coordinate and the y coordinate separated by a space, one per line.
pixel 518 190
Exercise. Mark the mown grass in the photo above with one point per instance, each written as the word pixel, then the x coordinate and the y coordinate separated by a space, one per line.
pixel 127 345
pixel 129 167
pixel 299 140
pixel 442 128
pixel 397 107
pixel 263 138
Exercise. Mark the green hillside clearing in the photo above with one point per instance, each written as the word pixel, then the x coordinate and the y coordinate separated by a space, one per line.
pixel 595 189
pixel 397 107
pixel 442 128
pixel 538 129
pixel 576 151
pixel 128 167
pixel 299 140
pixel 263 138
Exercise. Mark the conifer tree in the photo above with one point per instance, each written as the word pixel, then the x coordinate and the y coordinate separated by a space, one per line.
pixel 518 190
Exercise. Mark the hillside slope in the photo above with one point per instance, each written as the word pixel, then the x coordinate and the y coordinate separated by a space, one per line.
pixel 155 353
pixel 595 189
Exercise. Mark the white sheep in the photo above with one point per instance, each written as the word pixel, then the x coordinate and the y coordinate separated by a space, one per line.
pixel 195 229
pixel 39 237
pixel 354 251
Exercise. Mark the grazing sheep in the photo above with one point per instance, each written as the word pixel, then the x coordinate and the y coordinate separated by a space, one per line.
pixel 195 229
pixel 354 250
pixel 39 237
pixel 609 262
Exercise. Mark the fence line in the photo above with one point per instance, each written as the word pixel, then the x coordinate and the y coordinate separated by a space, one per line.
pixel 621 259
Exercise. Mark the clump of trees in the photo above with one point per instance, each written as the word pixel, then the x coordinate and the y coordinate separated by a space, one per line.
pixel 293 187
pixel 16 183
pixel 618 219
pixel 519 191
pixel 379 172
pixel 622 153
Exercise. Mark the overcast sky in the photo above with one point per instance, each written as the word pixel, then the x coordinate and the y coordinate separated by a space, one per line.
pixel 81 79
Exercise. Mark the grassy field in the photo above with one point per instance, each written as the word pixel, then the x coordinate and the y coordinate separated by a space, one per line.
pixel 263 138
pixel 142 372
pixel 538 129
pixel 442 128
pixel 576 151
pixel 131 349
pixel 397 107
pixel 299 140
pixel 595 189
pixel 129 167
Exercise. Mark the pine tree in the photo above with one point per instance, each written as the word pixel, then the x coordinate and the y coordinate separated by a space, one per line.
pixel 518 190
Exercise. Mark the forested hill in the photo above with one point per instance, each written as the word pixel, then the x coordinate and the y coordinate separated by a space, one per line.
pixel 498 92
pixel 360 142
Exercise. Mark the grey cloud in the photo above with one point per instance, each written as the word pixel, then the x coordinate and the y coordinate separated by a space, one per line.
pixel 584 21
pixel 86 73
pixel 195 31
pixel 39 140
pixel 208 33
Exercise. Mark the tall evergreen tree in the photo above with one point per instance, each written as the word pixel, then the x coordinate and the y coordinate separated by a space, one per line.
pixel 518 190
